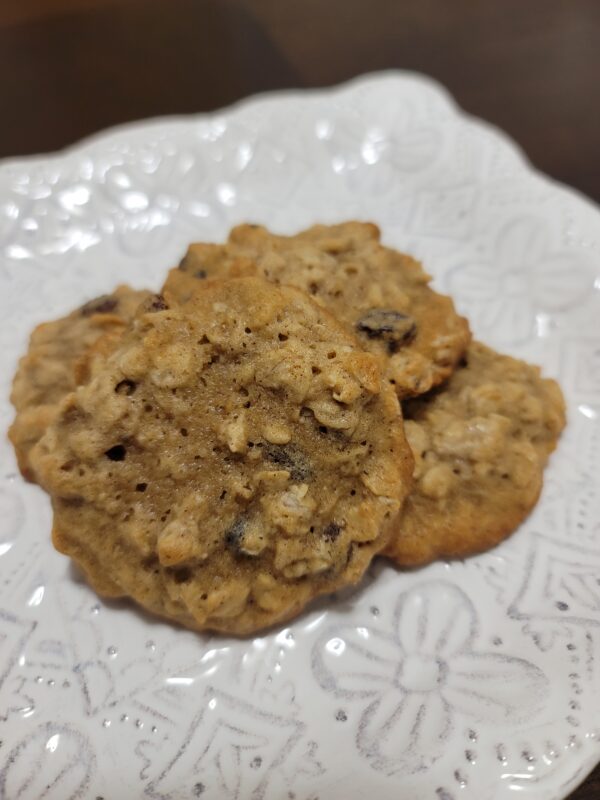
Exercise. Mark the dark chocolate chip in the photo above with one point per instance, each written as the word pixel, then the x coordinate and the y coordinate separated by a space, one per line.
pixel 332 531
pixel 289 458
pixel 157 303
pixel 394 327
pixel 141 487
pixel 116 453
pixel 101 305
pixel 233 536
pixel 126 387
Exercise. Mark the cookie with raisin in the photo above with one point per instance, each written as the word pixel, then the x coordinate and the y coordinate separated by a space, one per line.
pixel 480 444
pixel 232 459
pixel 49 369
pixel 381 294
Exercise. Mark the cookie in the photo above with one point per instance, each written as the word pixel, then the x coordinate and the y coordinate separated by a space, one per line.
pixel 480 444
pixel 231 460
pixel 383 295
pixel 49 370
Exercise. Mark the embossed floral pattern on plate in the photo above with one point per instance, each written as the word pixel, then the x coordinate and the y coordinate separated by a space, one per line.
pixel 474 680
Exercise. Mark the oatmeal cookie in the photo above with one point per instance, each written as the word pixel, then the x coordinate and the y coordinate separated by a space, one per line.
pixel 229 461
pixel 480 444
pixel 49 370
pixel 383 295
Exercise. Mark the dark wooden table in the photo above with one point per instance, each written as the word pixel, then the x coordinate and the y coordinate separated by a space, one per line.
pixel 71 67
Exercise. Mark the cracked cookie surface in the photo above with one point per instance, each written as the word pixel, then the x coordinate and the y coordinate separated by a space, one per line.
pixel 381 294
pixel 480 445
pixel 229 461
pixel 50 368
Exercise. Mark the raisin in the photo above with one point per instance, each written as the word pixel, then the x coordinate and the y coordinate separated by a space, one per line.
pixel 126 387
pixel 332 531
pixel 289 458
pixel 101 305
pixel 157 303
pixel 233 536
pixel 180 574
pixel 187 265
pixel 394 327
pixel 116 453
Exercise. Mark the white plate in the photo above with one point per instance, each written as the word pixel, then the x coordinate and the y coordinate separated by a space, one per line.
pixel 476 680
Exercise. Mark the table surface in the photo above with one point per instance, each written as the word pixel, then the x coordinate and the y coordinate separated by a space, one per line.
pixel 72 67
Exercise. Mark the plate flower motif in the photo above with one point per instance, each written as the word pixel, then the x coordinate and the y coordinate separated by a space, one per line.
pixel 523 277
pixel 417 679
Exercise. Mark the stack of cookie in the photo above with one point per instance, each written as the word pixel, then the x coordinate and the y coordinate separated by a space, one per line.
pixel 285 409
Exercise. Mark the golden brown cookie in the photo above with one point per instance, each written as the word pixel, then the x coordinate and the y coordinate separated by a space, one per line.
pixel 480 444
pixel 383 295
pixel 231 460
pixel 49 370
